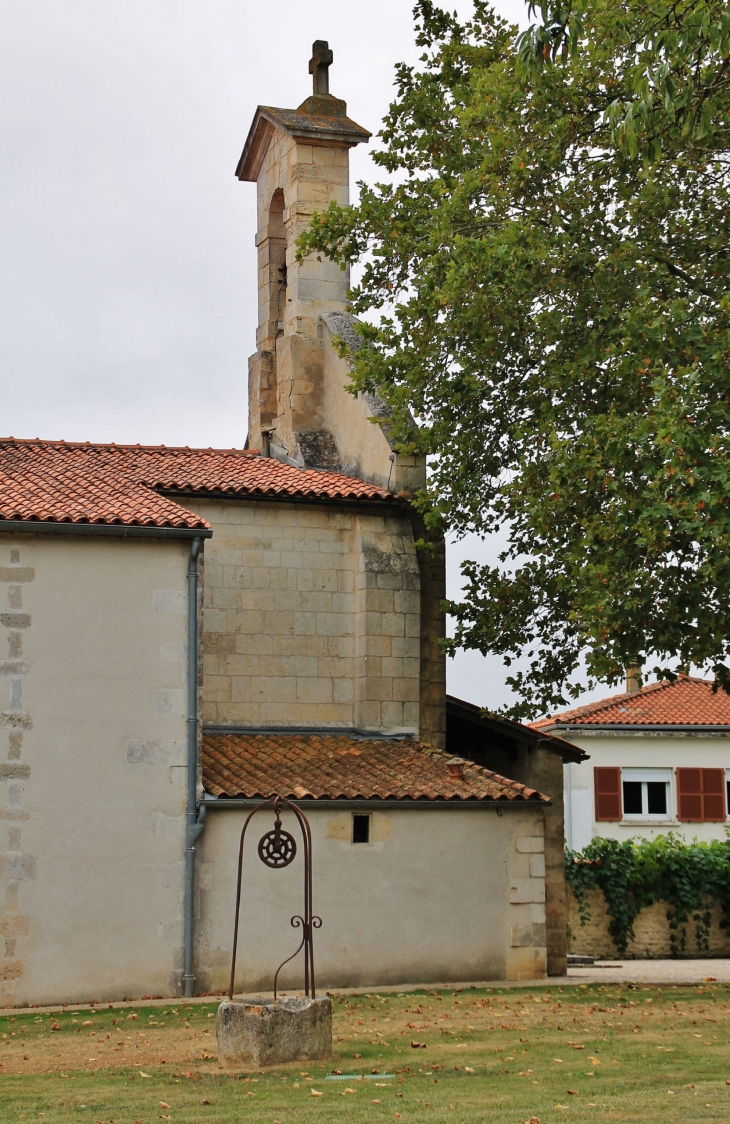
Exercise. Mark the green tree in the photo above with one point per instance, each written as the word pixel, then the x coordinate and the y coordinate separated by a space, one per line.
pixel 547 275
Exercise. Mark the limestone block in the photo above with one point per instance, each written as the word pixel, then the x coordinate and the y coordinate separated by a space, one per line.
pixel 525 963
pixel 393 715
pixel 530 844
pixel 524 936
pixel 255 1032
pixel 537 866
pixel 527 890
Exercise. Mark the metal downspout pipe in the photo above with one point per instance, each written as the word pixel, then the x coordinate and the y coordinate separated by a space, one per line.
pixel 194 822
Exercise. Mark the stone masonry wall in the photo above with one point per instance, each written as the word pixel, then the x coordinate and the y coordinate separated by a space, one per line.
pixel 311 618
pixel 15 864
pixel 651 929
pixel 525 914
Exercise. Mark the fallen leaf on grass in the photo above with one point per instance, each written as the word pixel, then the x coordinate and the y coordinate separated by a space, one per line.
pixel 315 1093
pixel 164 1104
pixel 468 1069
pixel 377 1102
pixel 206 1101
pixel 595 1061
pixel 572 1092
pixel 357 1055
pixel 143 1074
pixel 414 1046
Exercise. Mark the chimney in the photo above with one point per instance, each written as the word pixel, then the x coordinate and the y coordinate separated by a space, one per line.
pixel 455 766
pixel 633 679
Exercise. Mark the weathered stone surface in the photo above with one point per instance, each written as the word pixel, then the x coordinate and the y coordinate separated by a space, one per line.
pixel 651 928
pixel 254 1031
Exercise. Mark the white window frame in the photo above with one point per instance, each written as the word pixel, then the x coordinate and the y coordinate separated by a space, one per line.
pixel 644 776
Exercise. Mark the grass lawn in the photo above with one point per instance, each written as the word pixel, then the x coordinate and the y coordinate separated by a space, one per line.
pixel 596 1053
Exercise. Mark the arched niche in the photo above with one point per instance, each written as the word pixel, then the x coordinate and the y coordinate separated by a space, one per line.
pixel 276 264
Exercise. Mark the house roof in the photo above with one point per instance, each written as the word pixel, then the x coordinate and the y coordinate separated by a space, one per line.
pixel 340 766
pixel 687 702
pixel 470 728
pixel 63 482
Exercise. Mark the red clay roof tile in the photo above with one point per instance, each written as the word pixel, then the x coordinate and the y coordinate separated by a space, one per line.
pixel 686 702
pixel 339 766
pixel 56 481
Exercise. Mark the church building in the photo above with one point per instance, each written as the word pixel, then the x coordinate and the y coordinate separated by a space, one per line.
pixel 184 632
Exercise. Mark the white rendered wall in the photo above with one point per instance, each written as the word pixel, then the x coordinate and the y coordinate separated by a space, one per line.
pixel 92 767
pixel 440 894
pixel 632 751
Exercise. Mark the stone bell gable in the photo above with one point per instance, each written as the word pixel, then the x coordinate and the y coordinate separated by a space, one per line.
pixel 299 407
pixel 302 413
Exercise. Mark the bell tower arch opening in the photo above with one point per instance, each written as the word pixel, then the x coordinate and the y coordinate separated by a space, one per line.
pixel 274 282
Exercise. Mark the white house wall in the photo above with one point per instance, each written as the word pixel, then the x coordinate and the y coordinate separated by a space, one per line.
pixel 92 767
pixel 440 894
pixel 643 750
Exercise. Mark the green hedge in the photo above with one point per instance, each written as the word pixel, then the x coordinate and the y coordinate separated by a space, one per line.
pixel 691 878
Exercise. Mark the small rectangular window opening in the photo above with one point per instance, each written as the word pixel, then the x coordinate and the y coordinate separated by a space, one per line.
pixel 360 829
pixel 645 793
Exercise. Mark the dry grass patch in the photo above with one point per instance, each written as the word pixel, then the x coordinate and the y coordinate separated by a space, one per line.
pixel 509 1056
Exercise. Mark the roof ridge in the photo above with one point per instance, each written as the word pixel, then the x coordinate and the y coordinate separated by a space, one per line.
pixel 61 443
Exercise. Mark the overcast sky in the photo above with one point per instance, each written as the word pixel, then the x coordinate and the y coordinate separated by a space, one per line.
pixel 128 303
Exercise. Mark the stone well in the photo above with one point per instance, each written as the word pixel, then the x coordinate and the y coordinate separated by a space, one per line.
pixel 255 1032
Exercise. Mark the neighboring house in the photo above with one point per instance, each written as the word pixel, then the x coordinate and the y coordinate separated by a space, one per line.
pixel 659 762
pixel 185 631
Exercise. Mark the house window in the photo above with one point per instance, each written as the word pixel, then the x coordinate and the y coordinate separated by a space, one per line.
pixel 360 829
pixel 646 794
pixel 701 795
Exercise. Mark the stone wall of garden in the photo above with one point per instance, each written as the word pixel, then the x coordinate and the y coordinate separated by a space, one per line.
pixel 652 940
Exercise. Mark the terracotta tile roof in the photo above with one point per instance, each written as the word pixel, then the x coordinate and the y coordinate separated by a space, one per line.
pixel 686 702
pixel 332 766
pixel 55 481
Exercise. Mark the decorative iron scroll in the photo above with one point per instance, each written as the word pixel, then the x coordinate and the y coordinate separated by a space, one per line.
pixel 277 849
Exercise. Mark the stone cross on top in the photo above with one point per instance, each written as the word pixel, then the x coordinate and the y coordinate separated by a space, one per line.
pixel 319 66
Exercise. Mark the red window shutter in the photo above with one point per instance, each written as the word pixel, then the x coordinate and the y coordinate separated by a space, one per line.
pixel 607 789
pixel 713 784
pixel 689 795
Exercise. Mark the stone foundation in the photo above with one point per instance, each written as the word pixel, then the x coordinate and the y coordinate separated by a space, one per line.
pixel 255 1032
pixel 651 928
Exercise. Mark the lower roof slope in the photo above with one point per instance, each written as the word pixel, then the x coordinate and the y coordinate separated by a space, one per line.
pixel 61 482
pixel 687 701
pixel 339 766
